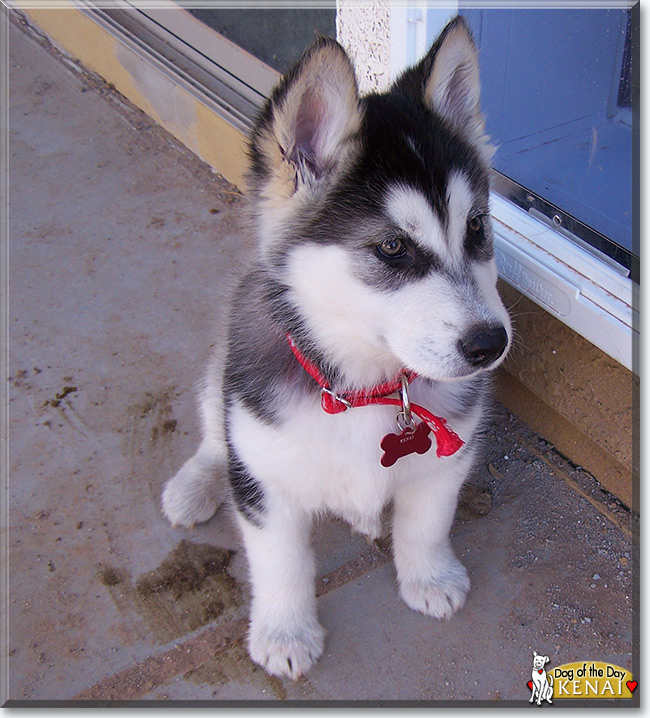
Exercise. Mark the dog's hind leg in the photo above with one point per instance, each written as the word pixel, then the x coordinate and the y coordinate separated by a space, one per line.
pixel 285 637
pixel 432 580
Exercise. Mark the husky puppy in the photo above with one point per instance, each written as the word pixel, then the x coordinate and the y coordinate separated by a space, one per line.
pixel 375 263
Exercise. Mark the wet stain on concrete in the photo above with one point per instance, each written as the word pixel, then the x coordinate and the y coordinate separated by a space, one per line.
pixel 110 576
pixel 187 570
pixel 190 588
pixel 138 680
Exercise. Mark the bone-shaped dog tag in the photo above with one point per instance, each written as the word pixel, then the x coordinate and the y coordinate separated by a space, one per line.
pixel 410 441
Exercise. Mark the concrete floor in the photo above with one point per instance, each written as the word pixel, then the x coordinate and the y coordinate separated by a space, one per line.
pixel 123 250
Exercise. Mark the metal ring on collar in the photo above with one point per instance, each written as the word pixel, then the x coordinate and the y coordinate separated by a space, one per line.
pixel 406 401
pixel 403 424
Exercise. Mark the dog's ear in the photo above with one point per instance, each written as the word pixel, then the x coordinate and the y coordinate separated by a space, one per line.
pixel 308 127
pixel 452 84
pixel 448 78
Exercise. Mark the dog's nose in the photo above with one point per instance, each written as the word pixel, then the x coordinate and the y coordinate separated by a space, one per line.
pixel 483 344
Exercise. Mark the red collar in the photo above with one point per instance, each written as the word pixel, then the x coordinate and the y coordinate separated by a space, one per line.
pixel 448 442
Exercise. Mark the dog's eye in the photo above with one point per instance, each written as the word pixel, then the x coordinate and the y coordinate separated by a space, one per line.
pixel 392 248
pixel 475 226
pixel 478 242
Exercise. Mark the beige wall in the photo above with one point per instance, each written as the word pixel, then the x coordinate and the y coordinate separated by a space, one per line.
pixel 170 103
pixel 571 393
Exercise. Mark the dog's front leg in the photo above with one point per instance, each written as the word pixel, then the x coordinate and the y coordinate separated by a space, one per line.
pixel 285 637
pixel 432 580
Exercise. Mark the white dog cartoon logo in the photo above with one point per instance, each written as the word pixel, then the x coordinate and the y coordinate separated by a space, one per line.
pixel 540 686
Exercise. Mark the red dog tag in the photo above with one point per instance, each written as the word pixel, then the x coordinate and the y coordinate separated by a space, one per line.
pixel 408 442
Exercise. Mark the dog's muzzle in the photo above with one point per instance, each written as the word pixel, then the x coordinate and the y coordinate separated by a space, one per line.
pixel 483 345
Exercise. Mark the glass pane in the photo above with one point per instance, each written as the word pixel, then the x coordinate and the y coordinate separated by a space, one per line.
pixel 277 37
pixel 557 95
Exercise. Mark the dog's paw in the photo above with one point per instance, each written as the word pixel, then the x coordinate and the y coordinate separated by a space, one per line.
pixel 441 595
pixel 286 653
pixel 191 496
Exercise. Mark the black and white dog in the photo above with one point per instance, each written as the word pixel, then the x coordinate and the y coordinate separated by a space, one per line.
pixel 370 317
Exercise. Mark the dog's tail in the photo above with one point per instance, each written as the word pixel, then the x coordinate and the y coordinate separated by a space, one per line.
pixel 200 486
pixel 197 490
pixel 551 684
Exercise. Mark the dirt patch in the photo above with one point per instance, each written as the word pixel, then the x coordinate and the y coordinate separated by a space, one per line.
pixel 20 379
pixel 58 398
pixel 233 664
pixel 187 570
pixel 155 402
pixel 190 588
pixel 474 502
pixel 168 426
pixel 109 576
pixel 148 439
pixel 137 681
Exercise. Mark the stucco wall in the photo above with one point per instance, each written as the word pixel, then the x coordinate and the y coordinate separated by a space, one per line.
pixel 572 394
pixel 365 34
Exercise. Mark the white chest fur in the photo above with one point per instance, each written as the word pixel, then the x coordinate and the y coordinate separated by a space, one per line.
pixel 332 462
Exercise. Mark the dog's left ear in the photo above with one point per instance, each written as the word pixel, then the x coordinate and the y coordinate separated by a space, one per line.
pixel 448 77
pixel 308 128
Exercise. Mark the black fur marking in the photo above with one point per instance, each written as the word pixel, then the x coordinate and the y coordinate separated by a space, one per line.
pixel 478 245
pixel 392 272
pixel 403 143
pixel 289 320
pixel 247 492
pixel 414 263
pixel 261 370
pixel 406 143
pixel 468 394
